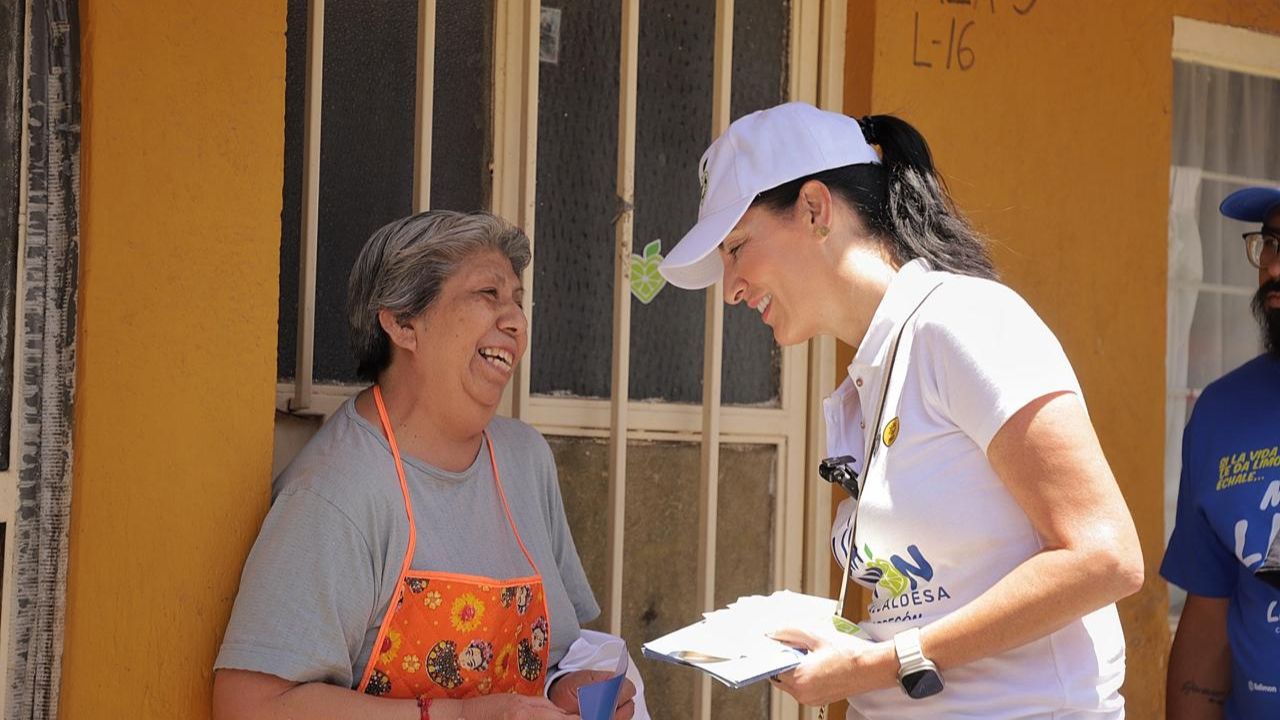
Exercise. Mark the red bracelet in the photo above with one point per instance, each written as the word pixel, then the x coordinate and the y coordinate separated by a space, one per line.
pixel 424 704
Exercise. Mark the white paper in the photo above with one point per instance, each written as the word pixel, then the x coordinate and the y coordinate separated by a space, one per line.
pixel 739 633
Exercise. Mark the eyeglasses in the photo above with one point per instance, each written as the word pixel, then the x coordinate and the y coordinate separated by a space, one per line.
pixel 1261 247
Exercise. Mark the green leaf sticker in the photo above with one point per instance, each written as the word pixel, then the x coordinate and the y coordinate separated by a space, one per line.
pixel 646 281
pixel 844 626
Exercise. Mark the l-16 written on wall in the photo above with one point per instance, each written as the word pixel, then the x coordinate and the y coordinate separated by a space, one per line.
pixel 947 43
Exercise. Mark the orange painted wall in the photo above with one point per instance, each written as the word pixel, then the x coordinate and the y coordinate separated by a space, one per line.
pixel 182 167
pixel 1053 129
pixel 1261 15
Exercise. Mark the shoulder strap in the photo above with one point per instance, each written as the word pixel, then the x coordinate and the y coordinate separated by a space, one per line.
pixel 873 440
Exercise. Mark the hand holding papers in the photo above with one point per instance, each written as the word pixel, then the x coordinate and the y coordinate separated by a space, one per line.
pixel 733 644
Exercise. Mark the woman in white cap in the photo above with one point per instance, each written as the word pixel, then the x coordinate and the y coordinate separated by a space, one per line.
pixel 987 524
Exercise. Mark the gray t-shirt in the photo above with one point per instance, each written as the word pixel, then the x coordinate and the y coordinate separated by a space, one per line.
pixel 321 574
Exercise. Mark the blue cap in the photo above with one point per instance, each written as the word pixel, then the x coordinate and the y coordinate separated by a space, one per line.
pixel 1250 204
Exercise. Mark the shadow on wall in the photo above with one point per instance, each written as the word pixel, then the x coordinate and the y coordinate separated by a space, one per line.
pixel 292 433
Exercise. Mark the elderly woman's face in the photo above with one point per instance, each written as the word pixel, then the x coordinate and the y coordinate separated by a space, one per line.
pixel 475 331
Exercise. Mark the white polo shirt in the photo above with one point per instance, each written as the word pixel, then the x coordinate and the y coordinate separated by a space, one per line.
pixel 937 527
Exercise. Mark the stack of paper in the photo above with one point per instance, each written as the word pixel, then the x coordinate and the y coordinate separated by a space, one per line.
pixel 732 644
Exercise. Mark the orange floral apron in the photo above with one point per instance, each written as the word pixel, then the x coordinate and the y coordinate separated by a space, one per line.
pixel 447 635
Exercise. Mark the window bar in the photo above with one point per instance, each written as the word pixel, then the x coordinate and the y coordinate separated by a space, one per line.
pixel 803 80
pixel 528 180
pixel 1236 179
pixel 807 85
pixel 831 56
pixel 791 539
pixel 310 209
pixel 806 508
pixel 624 229
pixel 1213 288
pixel 712 358
pixel 424 105
pixel 1234 49
pixel 515 146
pixel 822 371
pixel 813 46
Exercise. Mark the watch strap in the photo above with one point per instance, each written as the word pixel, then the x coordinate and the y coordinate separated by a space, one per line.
pixel 910 655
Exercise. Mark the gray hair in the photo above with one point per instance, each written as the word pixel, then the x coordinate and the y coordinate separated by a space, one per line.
pixel 403 266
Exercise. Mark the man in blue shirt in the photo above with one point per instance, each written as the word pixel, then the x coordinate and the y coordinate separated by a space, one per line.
pixel 1225 661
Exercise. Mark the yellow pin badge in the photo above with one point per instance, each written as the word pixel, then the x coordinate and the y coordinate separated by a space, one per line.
pixel 890 432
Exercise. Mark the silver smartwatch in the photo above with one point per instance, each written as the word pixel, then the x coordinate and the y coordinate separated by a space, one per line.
pixel 917 674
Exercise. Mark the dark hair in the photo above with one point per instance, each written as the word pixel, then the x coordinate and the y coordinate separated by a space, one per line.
pixel 903 201
pixel 404 264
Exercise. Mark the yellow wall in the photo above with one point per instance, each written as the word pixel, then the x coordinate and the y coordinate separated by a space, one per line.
pixel 1055 138
pixel 1261 15
pixel 183 146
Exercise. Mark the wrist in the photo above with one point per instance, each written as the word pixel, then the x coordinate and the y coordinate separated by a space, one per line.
pixel 439 709
pixel 917 674
pixel 880 665
pixel 552 681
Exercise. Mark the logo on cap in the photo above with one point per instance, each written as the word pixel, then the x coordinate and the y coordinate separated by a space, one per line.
pixel 703 179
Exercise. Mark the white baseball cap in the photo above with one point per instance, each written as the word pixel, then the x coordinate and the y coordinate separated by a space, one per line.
pixel 758 152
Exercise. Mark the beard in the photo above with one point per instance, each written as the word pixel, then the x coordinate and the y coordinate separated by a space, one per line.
pixel 1268 318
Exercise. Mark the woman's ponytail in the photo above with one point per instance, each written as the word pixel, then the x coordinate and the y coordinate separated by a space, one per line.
pixel 923 221
pixel 902 201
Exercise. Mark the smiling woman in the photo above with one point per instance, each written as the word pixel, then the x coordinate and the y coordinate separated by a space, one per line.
pixel 443 290
pixel 960 403
pixel 417 529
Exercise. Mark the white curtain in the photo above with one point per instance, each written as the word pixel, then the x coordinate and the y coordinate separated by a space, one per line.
pixel 1225 127
pixel 1186 270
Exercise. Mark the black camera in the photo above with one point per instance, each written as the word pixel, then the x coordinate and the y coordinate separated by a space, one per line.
pixel 839 470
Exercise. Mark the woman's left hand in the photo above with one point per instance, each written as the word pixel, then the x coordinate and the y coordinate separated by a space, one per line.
pixel 564 692
pixel 837 666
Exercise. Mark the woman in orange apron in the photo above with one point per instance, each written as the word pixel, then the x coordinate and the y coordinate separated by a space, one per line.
pixel 353 603
pixel 497 637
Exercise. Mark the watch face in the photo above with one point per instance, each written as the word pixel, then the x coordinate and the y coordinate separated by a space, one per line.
pixel 922 683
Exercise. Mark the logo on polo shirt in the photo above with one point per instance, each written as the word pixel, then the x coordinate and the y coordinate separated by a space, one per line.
pixel 904 585
pixel 891 432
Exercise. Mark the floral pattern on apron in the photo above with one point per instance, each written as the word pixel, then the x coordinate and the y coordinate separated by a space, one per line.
pixel 451 635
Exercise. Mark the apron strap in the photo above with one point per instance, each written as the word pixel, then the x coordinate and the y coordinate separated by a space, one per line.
pixel 497 479
pixel 404 484
pixel 408 504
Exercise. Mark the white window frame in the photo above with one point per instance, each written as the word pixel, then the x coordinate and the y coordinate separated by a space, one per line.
pixel 794 428
pixel 1238 50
